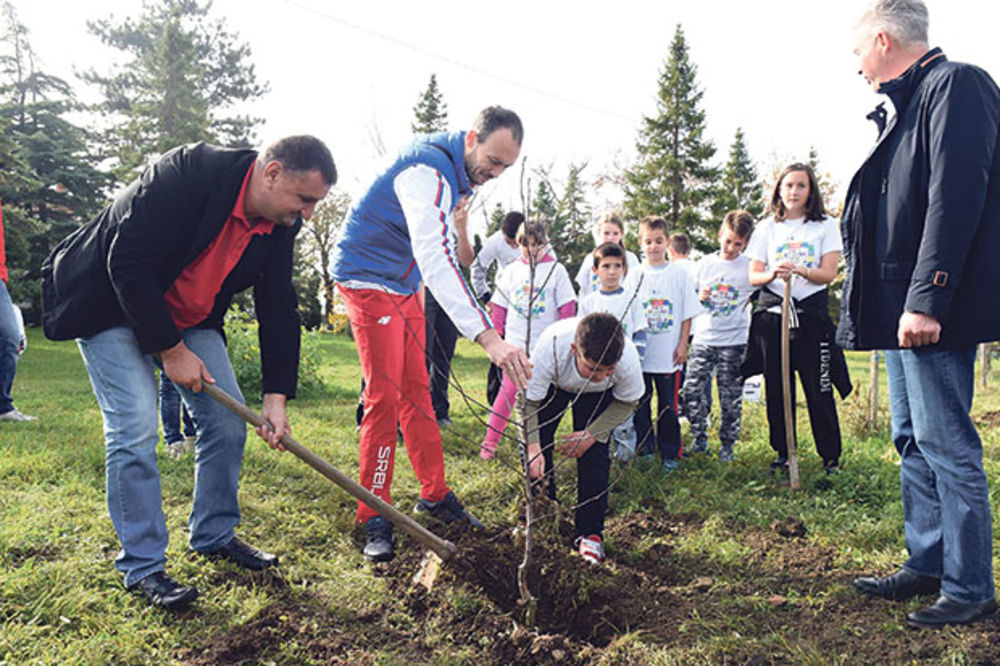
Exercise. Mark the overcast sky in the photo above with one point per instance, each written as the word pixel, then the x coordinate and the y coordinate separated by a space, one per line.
pixel 580 74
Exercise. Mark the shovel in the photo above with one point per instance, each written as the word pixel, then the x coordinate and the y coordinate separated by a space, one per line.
pixel 786 389
pixel 443 549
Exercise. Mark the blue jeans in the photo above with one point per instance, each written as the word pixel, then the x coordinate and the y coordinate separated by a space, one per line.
pixel 946 504
pixel 173 412
pixel 124 381
pixel 9 335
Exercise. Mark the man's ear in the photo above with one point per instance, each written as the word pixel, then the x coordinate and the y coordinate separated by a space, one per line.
pixel 272 171
pixel 471 138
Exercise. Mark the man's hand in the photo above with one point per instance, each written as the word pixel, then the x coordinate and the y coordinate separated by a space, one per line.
pixel 575 444
pixel 536 462
pixel 274 413
pixel 184 368
pixel 917 329
pixel 510 358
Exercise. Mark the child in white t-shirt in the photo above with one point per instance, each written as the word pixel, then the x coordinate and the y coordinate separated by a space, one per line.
pixel 609 264
pixel 530 294
pixel 587 362
pixel 610 229
pixel 720 335
pixel 668 299
pixel 798 243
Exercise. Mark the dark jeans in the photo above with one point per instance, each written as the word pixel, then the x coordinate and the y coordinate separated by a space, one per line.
pixel 810 357
pixel 172 412
pixel 592 468
pixel 441 336
pixel 668 429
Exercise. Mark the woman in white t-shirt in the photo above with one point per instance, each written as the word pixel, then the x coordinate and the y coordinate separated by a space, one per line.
pixel 798 243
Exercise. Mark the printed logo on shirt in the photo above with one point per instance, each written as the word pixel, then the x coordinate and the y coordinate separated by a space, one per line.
pixel 723 299
pixel 523 298
pixel 659 315
pixel 801 253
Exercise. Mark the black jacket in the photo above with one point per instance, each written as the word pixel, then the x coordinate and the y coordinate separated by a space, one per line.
pixel 114 270
pixel 921 224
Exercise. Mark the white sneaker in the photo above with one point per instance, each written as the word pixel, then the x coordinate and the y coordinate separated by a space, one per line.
pixel 176 449
pixel 16 415
pixel 190 442
pixel 590 548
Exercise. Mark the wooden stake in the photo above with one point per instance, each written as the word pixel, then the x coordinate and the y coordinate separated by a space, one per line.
pixel 786 389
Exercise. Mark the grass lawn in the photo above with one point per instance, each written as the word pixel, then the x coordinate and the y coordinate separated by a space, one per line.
pixel 713 564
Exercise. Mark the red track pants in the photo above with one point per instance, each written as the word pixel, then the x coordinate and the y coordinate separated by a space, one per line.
pixel 389 334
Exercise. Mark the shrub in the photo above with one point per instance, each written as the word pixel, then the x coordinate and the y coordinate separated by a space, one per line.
pixel 243 345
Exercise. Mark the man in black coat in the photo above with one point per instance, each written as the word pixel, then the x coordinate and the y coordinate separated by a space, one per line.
pixel 921 229
pixel 147 283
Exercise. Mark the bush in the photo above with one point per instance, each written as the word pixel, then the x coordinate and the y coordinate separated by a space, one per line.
pixel 243 345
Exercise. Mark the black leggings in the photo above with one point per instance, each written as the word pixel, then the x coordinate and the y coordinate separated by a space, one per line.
pixel 668 428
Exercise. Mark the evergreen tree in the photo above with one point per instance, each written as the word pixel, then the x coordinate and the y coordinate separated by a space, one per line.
pixel 570 231
pixel 672 176
pixel 183 77
pixel 544 204
pixel 50 184
pixel 431 113
pixel 739 186
pixel 496 217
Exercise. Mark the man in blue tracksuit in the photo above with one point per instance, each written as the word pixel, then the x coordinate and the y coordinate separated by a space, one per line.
pixel 402 231
pixel 921 229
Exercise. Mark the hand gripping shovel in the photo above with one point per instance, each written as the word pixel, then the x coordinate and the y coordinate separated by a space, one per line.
pixel 443 549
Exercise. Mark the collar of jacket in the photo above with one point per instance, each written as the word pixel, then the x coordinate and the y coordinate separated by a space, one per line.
pixel 453 144
pixel 901 88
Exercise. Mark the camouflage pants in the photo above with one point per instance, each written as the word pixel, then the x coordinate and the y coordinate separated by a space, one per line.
pixel 724 362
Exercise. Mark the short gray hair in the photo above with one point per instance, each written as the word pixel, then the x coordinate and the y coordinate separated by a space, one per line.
pixel 906 20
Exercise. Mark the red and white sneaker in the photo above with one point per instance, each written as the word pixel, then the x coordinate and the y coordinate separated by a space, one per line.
pixel 590 548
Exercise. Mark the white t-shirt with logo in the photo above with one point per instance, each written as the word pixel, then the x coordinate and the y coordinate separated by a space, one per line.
pixel 586 277
pixel 724 319
pixel 803 243
pixel 554 363
pixel 552 290
pixel 619 303
pixel 667 297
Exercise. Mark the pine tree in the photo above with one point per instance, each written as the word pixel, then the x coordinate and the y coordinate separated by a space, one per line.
pixel 50 184
pixel 739 185
pixel 570 231
pixel 184 75
pixel 673 176
pixel 431 113
pixel 544 204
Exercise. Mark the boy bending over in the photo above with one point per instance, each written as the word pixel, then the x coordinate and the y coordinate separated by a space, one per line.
pixel 587 362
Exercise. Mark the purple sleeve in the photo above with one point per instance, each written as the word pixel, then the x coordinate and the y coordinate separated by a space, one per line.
pixel 567 310
pixel 499 318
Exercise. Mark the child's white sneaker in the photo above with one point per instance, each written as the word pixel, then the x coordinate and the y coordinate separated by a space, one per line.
pixel 590 548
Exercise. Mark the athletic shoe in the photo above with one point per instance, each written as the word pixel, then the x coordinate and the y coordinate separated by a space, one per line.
pixel 447 510
pixel 590 548
pixel 176 449
pixel 444 422
pixel 16 415
pixel 487 451
pixel 190 442
pixel 700 446
pixel 381 546
pixel 726 453
pixel 670 465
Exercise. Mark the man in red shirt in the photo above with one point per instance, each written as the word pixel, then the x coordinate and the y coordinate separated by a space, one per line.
pixel 147 283
pixel 10 339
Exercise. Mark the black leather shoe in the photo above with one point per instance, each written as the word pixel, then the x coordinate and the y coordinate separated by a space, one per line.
pixel 244 555
pixel 163 591
pixel 898 586
pixel 946 611
pixel 381 545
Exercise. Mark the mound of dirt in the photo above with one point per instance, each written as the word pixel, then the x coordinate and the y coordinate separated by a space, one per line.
pixel 778 599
